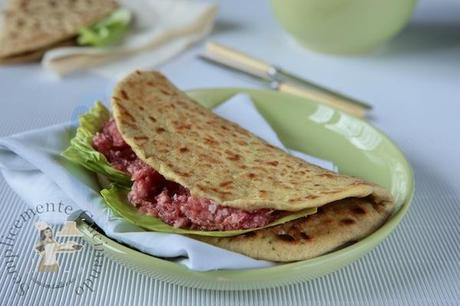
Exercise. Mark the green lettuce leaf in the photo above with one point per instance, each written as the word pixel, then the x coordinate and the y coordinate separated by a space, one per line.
pixel 82 152
pixel 108 31
pixel 116 199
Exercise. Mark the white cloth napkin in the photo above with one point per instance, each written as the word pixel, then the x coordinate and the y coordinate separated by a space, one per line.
pixel 161 29
pixel 31 165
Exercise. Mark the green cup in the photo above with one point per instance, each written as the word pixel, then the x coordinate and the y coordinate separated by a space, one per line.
pixel 343 26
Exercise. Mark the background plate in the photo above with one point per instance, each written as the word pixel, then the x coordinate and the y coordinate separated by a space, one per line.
pixel 353 145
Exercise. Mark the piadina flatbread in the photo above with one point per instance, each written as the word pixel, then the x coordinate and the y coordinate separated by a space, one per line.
pixel 217 160
pixel 30 27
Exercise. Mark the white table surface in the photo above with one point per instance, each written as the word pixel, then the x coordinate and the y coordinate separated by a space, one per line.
pixel 414 84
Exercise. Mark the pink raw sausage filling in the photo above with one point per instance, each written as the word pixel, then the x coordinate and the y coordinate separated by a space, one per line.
pixel 154 195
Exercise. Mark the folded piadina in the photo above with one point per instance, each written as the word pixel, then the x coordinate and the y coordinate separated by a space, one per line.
pixel 205 176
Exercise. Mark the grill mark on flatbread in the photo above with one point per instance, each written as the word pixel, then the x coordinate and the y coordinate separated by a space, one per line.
pixel 225 183
pixel 305 236
pixel 358 211
pixel 124 95
pixel 286 237
pixel 347 221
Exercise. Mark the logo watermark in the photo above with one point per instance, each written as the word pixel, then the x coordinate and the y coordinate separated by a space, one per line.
pixel 57 258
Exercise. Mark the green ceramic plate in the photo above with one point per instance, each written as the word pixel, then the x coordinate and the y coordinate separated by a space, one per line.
pixel 355 147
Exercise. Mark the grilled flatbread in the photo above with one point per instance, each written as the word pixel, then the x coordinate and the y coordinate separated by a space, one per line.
pixel 217 159
pixel 28 28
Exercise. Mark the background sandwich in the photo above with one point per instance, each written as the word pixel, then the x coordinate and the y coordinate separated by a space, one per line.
pixel 29 28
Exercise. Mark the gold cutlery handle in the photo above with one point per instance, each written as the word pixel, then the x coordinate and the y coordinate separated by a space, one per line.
pixel 239 59
pixel 323 98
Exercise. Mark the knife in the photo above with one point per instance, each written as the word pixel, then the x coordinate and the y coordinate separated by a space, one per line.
pixel 288 82
pixel 288 87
